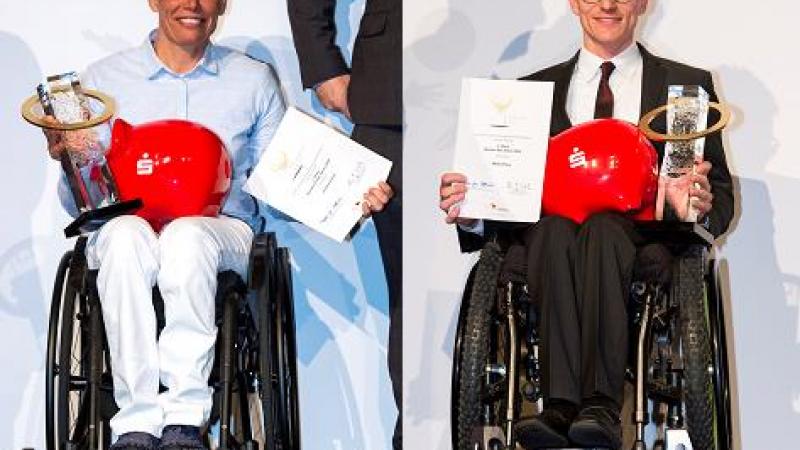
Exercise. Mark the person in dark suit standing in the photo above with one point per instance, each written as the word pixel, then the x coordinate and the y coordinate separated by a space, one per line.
pixel 579 274
pixel 369 93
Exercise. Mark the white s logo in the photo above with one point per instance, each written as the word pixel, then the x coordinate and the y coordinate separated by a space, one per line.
pixel 577 158
pixel 144 166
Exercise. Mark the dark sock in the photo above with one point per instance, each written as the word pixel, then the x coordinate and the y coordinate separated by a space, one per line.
pixel 598 399
pixel 568 409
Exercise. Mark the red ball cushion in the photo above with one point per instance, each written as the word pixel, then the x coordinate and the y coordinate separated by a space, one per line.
pixel 177 168
pixel 598 166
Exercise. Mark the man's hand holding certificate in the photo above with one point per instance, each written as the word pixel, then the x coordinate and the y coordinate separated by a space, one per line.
pixel 316 175
pixel 501 147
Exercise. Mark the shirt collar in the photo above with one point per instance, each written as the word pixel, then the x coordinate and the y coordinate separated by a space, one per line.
pixel 588 66
pixel 154 66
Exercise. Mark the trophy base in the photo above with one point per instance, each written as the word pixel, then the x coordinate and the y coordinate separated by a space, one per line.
pixel 92 220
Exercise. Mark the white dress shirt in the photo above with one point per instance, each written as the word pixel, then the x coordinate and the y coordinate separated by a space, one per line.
pixel 625 82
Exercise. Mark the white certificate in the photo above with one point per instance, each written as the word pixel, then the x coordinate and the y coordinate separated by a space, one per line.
pixel 501 147
pixel 316 174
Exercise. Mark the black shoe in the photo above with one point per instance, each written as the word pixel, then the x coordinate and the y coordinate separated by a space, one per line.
pixel 597 426
pixel 181 437
pixel 136 440
pixel 547 430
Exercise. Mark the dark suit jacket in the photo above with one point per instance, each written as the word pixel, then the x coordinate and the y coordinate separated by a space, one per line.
pixel 375 94
pixel 657 75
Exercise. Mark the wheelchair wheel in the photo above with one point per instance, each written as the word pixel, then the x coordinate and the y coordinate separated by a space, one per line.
pixel 697 357
pixel 71 416
pixel 277 368
pixel 471 397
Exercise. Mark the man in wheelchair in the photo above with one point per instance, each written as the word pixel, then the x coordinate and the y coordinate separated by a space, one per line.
pixel 578 274
pixel 177 73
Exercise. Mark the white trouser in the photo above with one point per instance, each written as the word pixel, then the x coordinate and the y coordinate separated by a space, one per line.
pixel 184 260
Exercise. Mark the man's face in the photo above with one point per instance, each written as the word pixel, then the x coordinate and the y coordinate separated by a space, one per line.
pixel 187 23
pixel 608 25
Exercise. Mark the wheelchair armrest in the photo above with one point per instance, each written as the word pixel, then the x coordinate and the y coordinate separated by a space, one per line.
pixel 684 233
pixel 264 240
pixel 93 219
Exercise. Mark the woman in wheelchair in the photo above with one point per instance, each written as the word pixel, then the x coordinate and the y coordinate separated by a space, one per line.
pixel 177 73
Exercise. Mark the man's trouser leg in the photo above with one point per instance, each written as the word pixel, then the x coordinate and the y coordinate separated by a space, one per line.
pixel 388 142
pixel 604 258
pixel 550 243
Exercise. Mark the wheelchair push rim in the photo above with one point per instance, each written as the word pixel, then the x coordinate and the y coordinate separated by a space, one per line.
pixel 721 373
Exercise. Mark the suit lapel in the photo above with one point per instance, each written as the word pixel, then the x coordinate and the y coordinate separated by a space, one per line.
pixel 560 120
pixel 654 76
pixel 654 94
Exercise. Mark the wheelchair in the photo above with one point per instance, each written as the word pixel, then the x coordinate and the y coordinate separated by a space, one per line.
pixel 255 375
pixel 678 359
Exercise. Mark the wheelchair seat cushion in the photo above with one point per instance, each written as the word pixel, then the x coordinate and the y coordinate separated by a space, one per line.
pixel 653 265
pixel 515 265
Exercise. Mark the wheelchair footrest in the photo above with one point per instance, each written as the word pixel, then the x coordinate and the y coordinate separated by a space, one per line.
pixel 678 440
pixel 493 438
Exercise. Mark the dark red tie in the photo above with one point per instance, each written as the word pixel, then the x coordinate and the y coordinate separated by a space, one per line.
pixel 604 106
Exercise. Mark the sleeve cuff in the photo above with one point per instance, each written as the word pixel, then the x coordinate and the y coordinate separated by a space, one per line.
pixel 476 228
pixel 706 222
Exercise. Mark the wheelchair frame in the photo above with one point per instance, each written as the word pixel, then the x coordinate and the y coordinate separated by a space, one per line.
pixel 680 362
pixel 255 355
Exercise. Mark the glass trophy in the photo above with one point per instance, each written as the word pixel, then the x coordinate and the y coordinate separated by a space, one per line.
pixel 687 113
pixel 83 161
pixel 686 129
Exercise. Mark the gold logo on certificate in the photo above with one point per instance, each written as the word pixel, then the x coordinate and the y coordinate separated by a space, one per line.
pixel 501 109
pixel 277 160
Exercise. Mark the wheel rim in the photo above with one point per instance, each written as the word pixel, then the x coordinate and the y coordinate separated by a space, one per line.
pixel 719 367
pixel 72 395
pixel 287 365
pixel 53 340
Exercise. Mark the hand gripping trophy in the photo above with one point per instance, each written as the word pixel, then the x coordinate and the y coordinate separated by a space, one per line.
pixel 62 104
pixel 687 112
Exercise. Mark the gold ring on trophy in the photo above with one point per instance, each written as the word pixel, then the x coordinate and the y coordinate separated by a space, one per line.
pixel 644 124
pixel 109 108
